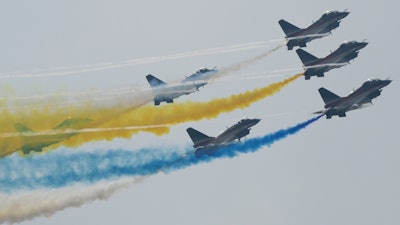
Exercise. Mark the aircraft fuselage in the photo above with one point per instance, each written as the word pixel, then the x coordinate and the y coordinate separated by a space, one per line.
pixel 171 91
pixel 164 92
pixel 357 99
pixel 322 27
pixel 236 132
pixel 340 57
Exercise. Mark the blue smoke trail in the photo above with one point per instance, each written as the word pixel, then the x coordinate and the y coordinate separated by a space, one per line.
pixel 58 169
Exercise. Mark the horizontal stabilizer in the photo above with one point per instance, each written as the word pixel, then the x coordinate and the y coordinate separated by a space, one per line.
pixel 22 128
pixel 306 57
pixel 287 27
pixel 197 137
pixel 320 112
pixel 154 81
pixel 328 96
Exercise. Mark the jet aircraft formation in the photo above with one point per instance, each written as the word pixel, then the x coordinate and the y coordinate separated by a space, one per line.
pixel 203 144
pixel 334 105
pixel 313 66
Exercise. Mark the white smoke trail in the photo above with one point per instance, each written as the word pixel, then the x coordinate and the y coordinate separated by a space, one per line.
pixel 76 131
pixel 64 71
pixel 28 205
pixel 257 75
pixel 238 66
pixel 122 91
pixel 120 97
pixel 309 35
pixel 126 95
pixel 336 65
pixel 95 130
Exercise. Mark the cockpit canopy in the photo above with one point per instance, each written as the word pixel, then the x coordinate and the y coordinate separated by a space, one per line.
pixel 328 13
pixel 347 43
pixel 243 119
pixel 202 70
pixel 331 11
pixel 371 82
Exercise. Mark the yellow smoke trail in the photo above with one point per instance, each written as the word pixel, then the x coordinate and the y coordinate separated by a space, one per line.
pixel 176 113
pixel 149 117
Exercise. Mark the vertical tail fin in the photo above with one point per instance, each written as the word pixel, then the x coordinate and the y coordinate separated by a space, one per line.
pixel 22 128
pixel 197 137
pixel 73 123
pixel 328 96
pixel 306 57
pixel 154 81
pixel 287 27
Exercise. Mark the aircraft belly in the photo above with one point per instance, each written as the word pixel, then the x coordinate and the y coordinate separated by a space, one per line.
pixel 205 151
pixel 315 71
pixel 173 92
pixel 323 27
pixel 342 109
pixel 44 141
pixel 343 57
pixel 226 138
pixel 332 59
pixel 317 29
pixel 356 97
pixel 167 97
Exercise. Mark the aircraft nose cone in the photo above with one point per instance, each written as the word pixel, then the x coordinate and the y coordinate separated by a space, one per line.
pixel 360 45
pixel 344 14
pixel 255 121
pixel 363 44
pixel 387 82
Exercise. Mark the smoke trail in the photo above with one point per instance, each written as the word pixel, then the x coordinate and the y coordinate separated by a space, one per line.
pixel 309 35
pixel 112 94
pixel 176 113
pixel 116 96
pixel 86 108
pixel 146 118
pixel 109 96
pixel 93 130
pixel 238 66
pixel 64 71
pixel 28 205
pixel 58 169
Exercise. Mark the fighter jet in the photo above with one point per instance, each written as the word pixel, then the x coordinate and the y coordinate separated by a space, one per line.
pixel 164 92
pixel 36 141
pixel 208 145
pixel 340 57
pixel 360 98
pixel 321 28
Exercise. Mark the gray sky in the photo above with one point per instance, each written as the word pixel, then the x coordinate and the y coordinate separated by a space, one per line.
pixel 338 171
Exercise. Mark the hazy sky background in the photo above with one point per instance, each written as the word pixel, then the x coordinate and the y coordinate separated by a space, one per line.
pixel 338 171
